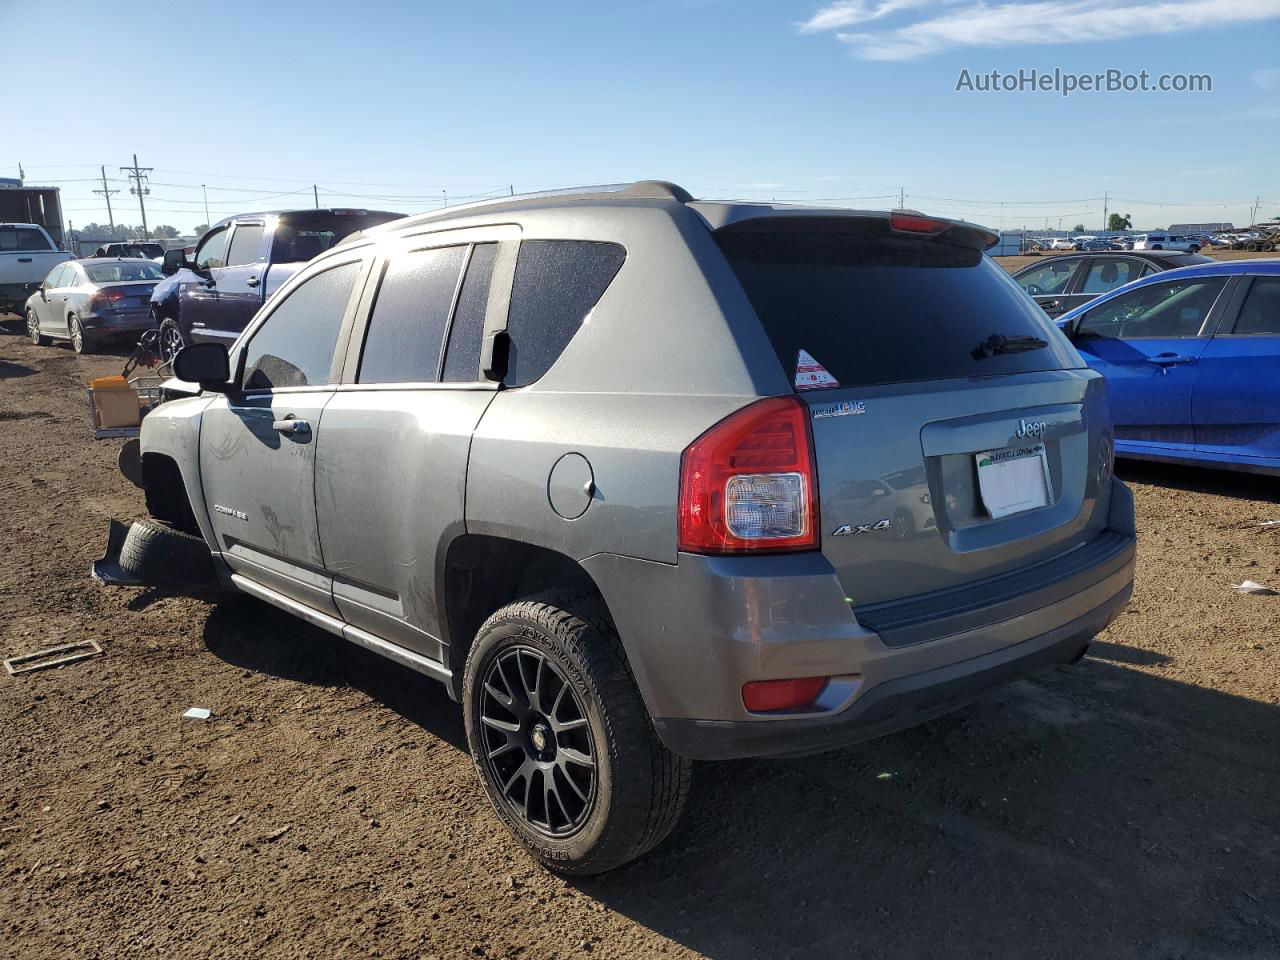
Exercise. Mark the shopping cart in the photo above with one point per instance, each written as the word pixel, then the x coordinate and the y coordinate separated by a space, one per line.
pixel 118 404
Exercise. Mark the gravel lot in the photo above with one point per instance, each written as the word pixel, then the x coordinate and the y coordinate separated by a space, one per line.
pixel 1123 807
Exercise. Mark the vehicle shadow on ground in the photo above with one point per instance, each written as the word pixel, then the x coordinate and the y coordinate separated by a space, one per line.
pixel 255 636
pixel 9 370
pixel 1225 483
pixel 1090 811
pixel 1094 810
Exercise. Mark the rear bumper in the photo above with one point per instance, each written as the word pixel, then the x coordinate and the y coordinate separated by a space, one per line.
pixel 892 705
pixel 720 622
pixel 109 323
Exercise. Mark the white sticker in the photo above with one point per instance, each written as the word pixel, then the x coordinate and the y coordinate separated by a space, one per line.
pixel 811 375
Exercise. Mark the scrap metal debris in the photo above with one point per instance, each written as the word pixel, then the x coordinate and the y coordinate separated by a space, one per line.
pixel 1255 588
pixel 53 657
pixel 198 713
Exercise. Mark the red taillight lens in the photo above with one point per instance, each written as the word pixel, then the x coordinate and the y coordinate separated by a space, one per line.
pixel 749 483
pixel 107 299
pixel 914 223
pixel 762 696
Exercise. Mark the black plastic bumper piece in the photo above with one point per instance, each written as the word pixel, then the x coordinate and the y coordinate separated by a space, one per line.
pixel 106 569
pixel 891 706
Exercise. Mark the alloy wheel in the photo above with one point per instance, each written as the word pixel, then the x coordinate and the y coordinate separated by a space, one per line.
pixel 170 341
pixel 537 741
pixel 77 335
pixel 33 327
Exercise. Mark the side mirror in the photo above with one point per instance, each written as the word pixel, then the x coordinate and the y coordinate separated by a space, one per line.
pixel 174 260
pixel 207 364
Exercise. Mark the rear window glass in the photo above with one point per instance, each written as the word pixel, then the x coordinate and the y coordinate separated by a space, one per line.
pixel 23 238
pixel 298 239
pixel 871 307
pixel 557 283
pixel 123 271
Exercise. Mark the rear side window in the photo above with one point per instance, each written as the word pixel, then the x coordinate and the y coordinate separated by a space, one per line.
pixel 406 328
pixel 462 359
pixel 1260 314
pixel 56 276
pixel 557 283
pixel 1106 275
pixel 869 306
pixel 246 244
pixel 294 346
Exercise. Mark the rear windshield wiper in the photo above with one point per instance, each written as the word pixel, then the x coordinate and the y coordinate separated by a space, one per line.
pixel 999 343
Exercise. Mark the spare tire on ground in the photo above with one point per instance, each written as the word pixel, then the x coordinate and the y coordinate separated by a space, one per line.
pixel 159 555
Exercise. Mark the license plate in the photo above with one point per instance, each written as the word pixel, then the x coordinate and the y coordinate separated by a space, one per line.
pixel 1014 479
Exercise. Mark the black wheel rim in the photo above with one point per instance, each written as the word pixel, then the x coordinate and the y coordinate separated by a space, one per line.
pixel 536 742
pixel 170 342
pixel 77 336
pixel 33 327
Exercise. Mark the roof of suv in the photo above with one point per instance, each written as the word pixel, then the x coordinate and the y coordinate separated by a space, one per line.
pixel 716 213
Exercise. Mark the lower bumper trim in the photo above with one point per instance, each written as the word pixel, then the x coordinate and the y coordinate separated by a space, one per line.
pixel 891 706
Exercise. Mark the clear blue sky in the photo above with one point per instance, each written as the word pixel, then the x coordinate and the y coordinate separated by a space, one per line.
pixel 398 105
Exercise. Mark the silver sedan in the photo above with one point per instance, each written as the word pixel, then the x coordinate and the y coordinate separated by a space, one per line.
pixel 87 301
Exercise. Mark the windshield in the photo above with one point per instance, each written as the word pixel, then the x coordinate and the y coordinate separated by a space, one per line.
pixel 871 307
pixel 123 271
pixel 23 238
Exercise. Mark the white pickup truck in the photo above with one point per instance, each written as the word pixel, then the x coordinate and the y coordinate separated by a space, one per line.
pixel 27 254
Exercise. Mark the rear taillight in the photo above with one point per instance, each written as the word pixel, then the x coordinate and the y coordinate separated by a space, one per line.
pixel 108 299
pixel 915 223
pixel 749 484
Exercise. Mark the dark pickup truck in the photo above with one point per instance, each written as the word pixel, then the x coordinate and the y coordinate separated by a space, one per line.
pixel 238 264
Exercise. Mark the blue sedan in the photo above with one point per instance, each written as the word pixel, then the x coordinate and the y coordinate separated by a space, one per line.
pixel 1192 357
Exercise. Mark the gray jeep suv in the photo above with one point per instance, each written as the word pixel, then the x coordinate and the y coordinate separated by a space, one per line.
pixel 645 480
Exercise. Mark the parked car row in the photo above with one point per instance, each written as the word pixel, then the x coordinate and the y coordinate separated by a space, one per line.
pixel 1065 282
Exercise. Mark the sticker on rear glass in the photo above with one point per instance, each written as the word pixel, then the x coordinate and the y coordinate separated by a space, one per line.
pixel 811 375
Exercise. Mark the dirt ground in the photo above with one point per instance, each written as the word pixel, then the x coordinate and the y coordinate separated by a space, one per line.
pixel 1124 807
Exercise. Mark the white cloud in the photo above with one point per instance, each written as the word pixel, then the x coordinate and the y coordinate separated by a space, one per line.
pixel 1268 78
pixel 975 23
pixel 846 13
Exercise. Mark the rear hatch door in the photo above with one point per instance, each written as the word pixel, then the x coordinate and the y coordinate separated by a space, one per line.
pixel 956 429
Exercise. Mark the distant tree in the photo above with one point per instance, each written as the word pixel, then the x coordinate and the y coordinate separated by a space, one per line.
pixel 1119 221
pixel 164 232
pixel 1078 228
pixel 200 229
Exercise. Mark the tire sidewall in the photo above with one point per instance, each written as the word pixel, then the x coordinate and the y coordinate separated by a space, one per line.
pixel 494 638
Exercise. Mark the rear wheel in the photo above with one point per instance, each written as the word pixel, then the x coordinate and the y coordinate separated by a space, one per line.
pixel 80 341
pixel 33 330
pixel 171 340
pixel 561 739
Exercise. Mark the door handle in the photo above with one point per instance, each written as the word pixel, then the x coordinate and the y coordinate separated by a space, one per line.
pixel 1049 305
pixel 291 426
pixel 1170 359
pixel 252 282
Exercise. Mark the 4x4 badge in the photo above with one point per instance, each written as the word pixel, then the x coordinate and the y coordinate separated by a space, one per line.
pixel 857 528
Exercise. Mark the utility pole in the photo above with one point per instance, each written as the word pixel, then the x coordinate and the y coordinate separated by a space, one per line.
pixel 139 175
pixel 204 191
pixel 107 193
pixel 1253 211
pixel 315 192
pixel 1105 198
pixel 902 198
